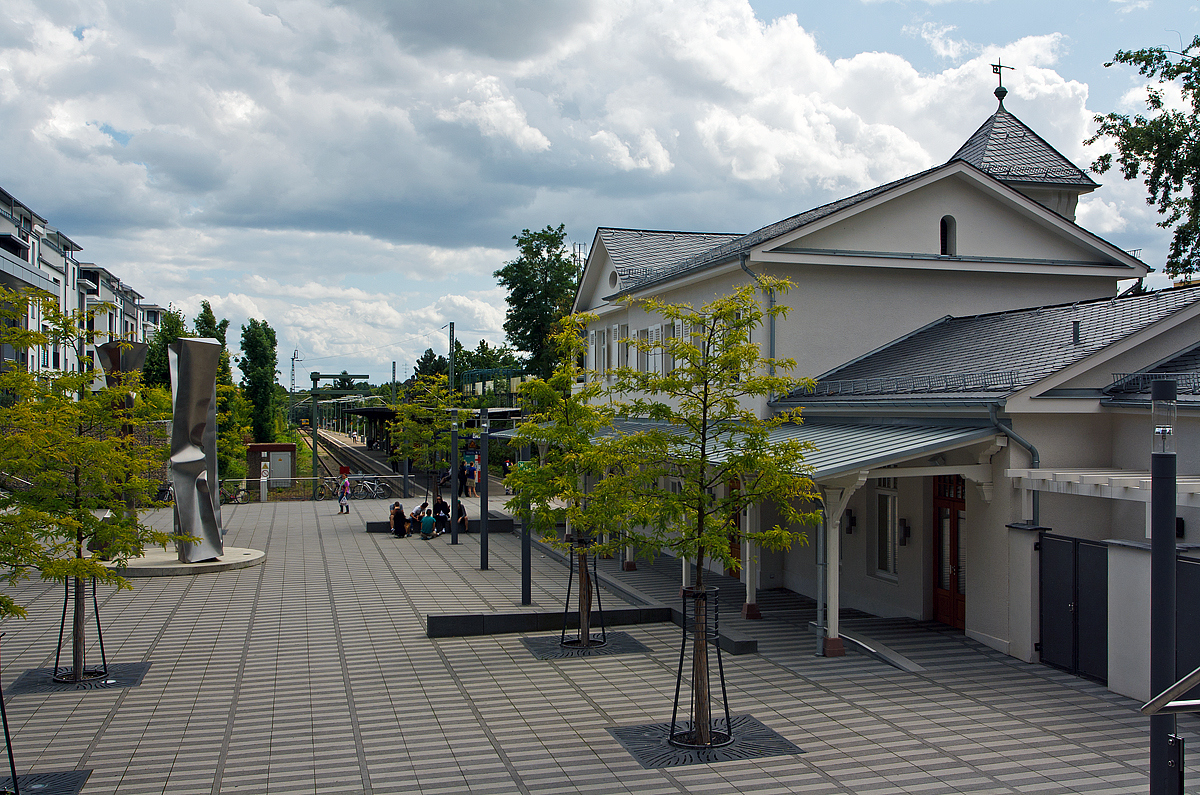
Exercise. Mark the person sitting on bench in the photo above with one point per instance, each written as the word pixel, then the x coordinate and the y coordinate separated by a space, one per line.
pixel 461 518
pixel 427 525
pixel 397 520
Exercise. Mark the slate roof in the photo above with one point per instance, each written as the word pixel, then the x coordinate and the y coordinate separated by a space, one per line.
pixel 732 245
pixel 987 357
pixel 1003 147
pixel 1012 153
pixel 1184 368
pixel 637 254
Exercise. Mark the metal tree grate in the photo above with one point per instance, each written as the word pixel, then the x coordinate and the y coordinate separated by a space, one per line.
pixel 63 782
pixel 41 680
pixel 553 649
pixel 650 744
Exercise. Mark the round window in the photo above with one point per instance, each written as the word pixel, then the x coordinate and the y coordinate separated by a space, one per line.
pixel 612 279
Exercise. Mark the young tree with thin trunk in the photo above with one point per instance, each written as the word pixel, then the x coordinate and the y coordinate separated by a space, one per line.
pixel 72 477
pixel 581 463
pixel 703 437
pixel 421 429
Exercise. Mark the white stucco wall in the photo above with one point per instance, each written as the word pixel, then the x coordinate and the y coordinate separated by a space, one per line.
pixel 986 226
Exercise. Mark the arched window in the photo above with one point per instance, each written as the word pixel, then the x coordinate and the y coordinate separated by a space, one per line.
pixel 949 237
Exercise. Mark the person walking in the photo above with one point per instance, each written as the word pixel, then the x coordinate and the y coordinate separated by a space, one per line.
pixel 471 479
pixel 344 496
pixel 462 478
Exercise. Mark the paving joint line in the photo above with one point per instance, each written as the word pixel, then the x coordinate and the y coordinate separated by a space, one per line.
pixel 352 709
pixel 223 755
pixel 560 668
pixel 497 746
pixel 112 712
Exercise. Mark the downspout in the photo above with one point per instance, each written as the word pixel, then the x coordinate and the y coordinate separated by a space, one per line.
pixel 742 259
pixel 1035 459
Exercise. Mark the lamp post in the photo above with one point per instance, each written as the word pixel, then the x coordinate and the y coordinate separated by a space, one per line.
pixel 483 490
pixel 454 459
pixel 1166 749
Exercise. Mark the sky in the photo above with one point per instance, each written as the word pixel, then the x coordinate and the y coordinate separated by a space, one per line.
pixel 354 171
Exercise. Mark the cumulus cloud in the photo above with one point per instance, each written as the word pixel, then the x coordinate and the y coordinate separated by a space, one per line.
pixel 354 169
pixel 938 39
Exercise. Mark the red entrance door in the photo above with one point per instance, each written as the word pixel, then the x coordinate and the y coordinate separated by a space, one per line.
pixel 950 571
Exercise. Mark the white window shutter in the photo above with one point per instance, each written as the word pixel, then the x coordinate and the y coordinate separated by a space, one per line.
pixel 592 349
pixel 614 359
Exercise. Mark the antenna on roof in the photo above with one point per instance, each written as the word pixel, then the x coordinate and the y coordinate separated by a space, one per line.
pixel 1001 92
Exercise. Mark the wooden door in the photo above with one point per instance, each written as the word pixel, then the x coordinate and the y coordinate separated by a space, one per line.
pixel 950 571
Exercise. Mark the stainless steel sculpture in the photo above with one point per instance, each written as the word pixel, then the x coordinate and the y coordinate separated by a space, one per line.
pixel 194 448
pixel 122 357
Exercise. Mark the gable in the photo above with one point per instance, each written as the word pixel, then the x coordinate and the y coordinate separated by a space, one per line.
pixel 597 273
pixel 989 222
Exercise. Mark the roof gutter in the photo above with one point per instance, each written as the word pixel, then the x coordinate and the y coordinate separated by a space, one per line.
pixel 742 259
pixel 1035 459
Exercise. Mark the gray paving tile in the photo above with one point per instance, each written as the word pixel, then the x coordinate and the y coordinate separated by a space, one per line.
pixel 312 673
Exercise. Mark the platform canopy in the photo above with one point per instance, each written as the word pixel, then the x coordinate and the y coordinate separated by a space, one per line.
pixel 844 449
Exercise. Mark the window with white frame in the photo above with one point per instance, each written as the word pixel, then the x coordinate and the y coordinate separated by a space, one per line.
pixel 623 345
pixel 886 526
pixel 643 356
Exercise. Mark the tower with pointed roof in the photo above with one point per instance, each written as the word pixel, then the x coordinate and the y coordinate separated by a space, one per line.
pixel 1008 150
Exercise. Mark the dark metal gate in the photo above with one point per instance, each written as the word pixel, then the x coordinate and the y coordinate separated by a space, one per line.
pixel 1074 605
pixel 1187 620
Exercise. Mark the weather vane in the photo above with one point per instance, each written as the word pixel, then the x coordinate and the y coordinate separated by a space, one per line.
pixel 998 70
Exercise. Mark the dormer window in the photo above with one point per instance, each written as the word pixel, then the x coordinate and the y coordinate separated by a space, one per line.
pixel 949 246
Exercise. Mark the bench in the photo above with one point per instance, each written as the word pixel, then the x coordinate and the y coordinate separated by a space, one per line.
pixel 497 523
pixel 379 527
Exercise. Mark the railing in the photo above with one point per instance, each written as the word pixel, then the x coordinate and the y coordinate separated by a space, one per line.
pixel 1186 383
pixel 363 487
pixel 949 382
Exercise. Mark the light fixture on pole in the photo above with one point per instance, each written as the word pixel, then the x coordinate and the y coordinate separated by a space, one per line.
pixel 1166 749
pixel 455 457
pixel 483 488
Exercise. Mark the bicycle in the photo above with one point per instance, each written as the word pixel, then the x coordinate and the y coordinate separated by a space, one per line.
pixel 236 496
pixel 369 490
pixel 166 493
pixel 328 488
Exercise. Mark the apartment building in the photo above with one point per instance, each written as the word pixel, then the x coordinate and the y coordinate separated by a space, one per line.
pixel 35 255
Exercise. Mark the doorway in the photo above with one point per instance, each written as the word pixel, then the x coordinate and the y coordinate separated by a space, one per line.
pixel 950 570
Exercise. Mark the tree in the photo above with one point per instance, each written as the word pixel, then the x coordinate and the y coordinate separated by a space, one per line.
pixel 421 429
pixel 72 475
pixel 484 357
pixel 344 381
pixel 541 287
pixel 581 463
pixel 233 410
pixel 716 452
pixel 1164 149
pixel 258 377
pixel 157 370
pixel 430 363
pixel 206 325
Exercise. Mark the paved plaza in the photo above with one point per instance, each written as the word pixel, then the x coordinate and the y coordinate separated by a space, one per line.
pixel 312 673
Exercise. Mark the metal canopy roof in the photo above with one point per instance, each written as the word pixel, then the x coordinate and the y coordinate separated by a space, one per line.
pixel 841 449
